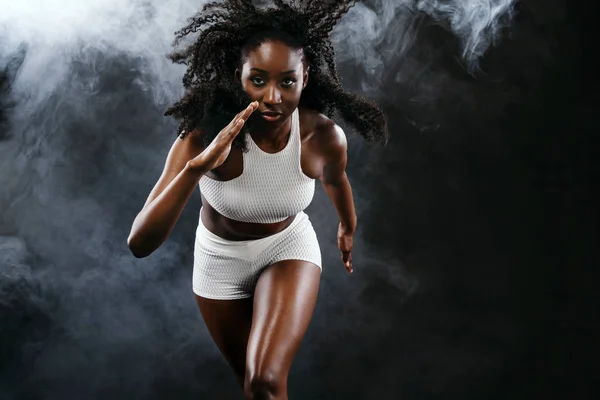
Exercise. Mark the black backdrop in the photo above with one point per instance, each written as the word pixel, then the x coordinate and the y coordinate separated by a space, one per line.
pixel 476 259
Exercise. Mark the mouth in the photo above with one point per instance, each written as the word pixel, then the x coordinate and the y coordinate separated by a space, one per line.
pixel 270 116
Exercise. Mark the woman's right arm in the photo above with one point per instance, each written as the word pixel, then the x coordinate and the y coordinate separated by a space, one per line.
pixel 168 198
pixel 187 161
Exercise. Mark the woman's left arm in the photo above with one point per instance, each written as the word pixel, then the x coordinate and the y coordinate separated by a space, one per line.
pixel 336 185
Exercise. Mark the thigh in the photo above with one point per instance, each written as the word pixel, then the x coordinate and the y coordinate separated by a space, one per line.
pixel 284 300
pixel 229 323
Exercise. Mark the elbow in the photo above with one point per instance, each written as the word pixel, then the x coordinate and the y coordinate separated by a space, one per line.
pixel 138 254
pixel 136 247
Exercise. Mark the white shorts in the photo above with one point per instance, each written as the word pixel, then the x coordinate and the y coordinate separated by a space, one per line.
pixel 226 270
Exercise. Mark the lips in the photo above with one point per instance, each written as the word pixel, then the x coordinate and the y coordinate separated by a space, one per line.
pixel 270 116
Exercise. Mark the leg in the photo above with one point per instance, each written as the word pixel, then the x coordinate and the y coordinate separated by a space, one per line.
pixel 220 279
pixel 284 300
pixel 229 322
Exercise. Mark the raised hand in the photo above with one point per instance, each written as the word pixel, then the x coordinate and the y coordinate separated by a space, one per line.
pixel 218 150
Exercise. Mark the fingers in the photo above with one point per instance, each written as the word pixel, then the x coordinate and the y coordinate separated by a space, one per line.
pixel 245 113
pixel 238 121
pixel 347 259
pixel 249 110
pixel 243 117
pixel 236 128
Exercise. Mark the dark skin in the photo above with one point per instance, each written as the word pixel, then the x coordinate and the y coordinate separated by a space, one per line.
pixel 259 336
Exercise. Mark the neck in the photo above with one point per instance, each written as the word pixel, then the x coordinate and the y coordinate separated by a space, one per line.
pixel 275 134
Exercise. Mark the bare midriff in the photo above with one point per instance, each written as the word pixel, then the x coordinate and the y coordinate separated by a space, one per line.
pixel 230 229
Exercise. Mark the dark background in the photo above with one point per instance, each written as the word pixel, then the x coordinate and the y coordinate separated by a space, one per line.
pixel 475 263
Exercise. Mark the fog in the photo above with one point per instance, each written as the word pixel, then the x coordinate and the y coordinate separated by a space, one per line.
pixel 83 139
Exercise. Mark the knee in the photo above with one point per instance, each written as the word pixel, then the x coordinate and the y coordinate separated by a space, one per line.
pixel 264 385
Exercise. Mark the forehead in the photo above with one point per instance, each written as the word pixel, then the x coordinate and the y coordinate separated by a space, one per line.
pixel 273 56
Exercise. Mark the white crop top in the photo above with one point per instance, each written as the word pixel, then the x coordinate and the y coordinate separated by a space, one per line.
pixel 271 188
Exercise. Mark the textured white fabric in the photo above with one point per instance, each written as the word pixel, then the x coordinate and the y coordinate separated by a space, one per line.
pixel 226 270
pixel 271 188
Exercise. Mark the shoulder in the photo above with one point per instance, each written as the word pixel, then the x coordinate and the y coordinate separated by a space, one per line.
pixel 327 136
pixel 194 138
pixel 331 134
pixel 185 147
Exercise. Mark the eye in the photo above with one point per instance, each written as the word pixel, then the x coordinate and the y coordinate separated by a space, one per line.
pixel 291 82
pixel 258 81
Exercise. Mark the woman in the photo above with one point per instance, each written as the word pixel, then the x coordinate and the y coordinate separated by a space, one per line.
pixel 257 261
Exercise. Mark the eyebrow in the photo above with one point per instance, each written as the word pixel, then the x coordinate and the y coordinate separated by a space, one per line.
pixel 267 72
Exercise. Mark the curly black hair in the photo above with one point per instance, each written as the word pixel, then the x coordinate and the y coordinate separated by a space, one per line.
pixel 229 29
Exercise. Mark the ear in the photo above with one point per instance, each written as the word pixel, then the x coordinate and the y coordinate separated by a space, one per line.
pixel 305 77
pixel 237 75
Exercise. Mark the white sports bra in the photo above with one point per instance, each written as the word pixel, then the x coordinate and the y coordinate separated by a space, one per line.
pixel 271 188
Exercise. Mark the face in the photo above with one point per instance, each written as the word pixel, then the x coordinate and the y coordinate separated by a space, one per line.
pixel 274 75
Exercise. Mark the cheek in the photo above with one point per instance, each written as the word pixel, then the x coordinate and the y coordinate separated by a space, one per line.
pixel 246 86
pixel 249 89
pixel 298 90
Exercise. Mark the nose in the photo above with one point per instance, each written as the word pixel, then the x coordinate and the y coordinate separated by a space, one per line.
pixel 272 95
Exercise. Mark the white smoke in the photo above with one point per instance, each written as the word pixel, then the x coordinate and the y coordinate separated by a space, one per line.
pixel 378 34
pixel 477 23
pixel 58 33
pixel 83 139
